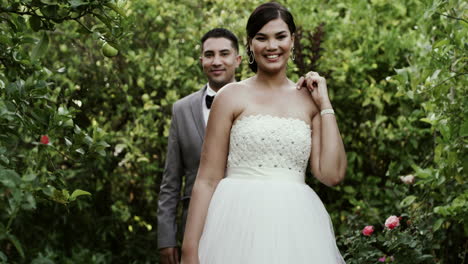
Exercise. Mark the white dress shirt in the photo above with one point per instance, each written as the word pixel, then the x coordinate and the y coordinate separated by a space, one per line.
pixel 206 111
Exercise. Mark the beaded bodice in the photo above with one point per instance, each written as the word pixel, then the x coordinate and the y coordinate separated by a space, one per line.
pixel 264 141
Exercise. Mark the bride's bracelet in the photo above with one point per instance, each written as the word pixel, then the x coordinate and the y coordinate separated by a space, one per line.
pixel 327 111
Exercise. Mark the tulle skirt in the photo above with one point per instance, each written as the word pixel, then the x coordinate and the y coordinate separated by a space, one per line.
pixel 267 216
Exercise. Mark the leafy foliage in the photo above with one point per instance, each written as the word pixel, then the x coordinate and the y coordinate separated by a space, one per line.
pixel 41 147
pixel 396 72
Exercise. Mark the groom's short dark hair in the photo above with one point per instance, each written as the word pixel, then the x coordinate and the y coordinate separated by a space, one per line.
pixel 221 33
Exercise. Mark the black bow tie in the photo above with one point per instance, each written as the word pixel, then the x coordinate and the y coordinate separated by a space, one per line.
pixel 209 100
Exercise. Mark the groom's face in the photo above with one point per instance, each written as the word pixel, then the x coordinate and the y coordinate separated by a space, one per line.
pixel 219 60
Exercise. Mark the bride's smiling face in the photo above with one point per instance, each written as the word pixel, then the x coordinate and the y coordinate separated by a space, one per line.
pixel 271 46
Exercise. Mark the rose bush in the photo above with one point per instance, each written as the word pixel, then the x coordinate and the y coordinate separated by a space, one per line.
pixel 385 243
pixel 396 72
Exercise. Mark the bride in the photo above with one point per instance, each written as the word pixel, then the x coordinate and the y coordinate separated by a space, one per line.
pixel 250 203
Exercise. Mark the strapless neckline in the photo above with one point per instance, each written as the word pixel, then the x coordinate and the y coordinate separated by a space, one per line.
pixel 268 116
pixel 268 141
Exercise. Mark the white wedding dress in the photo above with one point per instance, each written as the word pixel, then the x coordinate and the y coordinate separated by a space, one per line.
pixel 262 212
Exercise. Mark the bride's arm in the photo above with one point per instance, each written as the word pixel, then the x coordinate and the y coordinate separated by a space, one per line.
pixel 211 171
pixel 328 156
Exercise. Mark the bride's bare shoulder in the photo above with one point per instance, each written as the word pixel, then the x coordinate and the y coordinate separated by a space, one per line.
pixel 233 97
pixel 234 90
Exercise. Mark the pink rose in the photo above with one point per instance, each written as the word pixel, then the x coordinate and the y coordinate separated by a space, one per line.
pixel 368 230
pixel 392 222
pixel 408 179
pixel 382 259
pixel 44 139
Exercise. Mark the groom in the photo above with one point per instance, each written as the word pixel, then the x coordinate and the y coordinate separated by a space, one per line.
pixel 219 59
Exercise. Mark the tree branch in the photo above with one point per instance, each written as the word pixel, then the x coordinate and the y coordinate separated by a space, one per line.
pixel 457 18
pixel 442 82
pixel 83 25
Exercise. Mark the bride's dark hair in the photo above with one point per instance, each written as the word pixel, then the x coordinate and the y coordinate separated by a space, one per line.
pixel 263 14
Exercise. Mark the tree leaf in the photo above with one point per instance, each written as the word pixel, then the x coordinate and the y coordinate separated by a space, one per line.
pixel 35 23
pixel 3 257
pixel 116 9
pixel 408 201
pixel 464 129
pixel 76 3
pixel 349 189
pixel 66 194
pixel 9 178
pixel 422 173
pixel 29 202
pixel 16 243
pixel 441 43
pixel 29 177
pixel 81 151
pixel 68 142
pixel 41 47
pixel 59 197
pixel 77 193
pixel 437 224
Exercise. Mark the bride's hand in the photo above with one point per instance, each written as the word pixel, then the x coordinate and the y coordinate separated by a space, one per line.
pixel 317 86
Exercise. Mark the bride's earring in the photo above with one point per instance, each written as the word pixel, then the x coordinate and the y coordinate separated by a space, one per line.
pixel 251 57
pixel 293 56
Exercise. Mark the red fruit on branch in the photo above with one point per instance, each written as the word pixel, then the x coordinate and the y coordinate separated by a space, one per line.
pixel 44 139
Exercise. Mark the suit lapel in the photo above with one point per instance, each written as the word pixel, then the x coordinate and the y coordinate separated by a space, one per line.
pixel 197 112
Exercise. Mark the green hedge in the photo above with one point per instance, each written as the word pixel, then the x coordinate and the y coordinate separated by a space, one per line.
pixel 396 72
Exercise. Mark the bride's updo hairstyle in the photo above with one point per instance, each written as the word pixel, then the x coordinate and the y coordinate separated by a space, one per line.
pixel 260 17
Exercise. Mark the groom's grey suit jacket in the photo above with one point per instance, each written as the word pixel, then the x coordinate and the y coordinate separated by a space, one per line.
pixel 183 157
